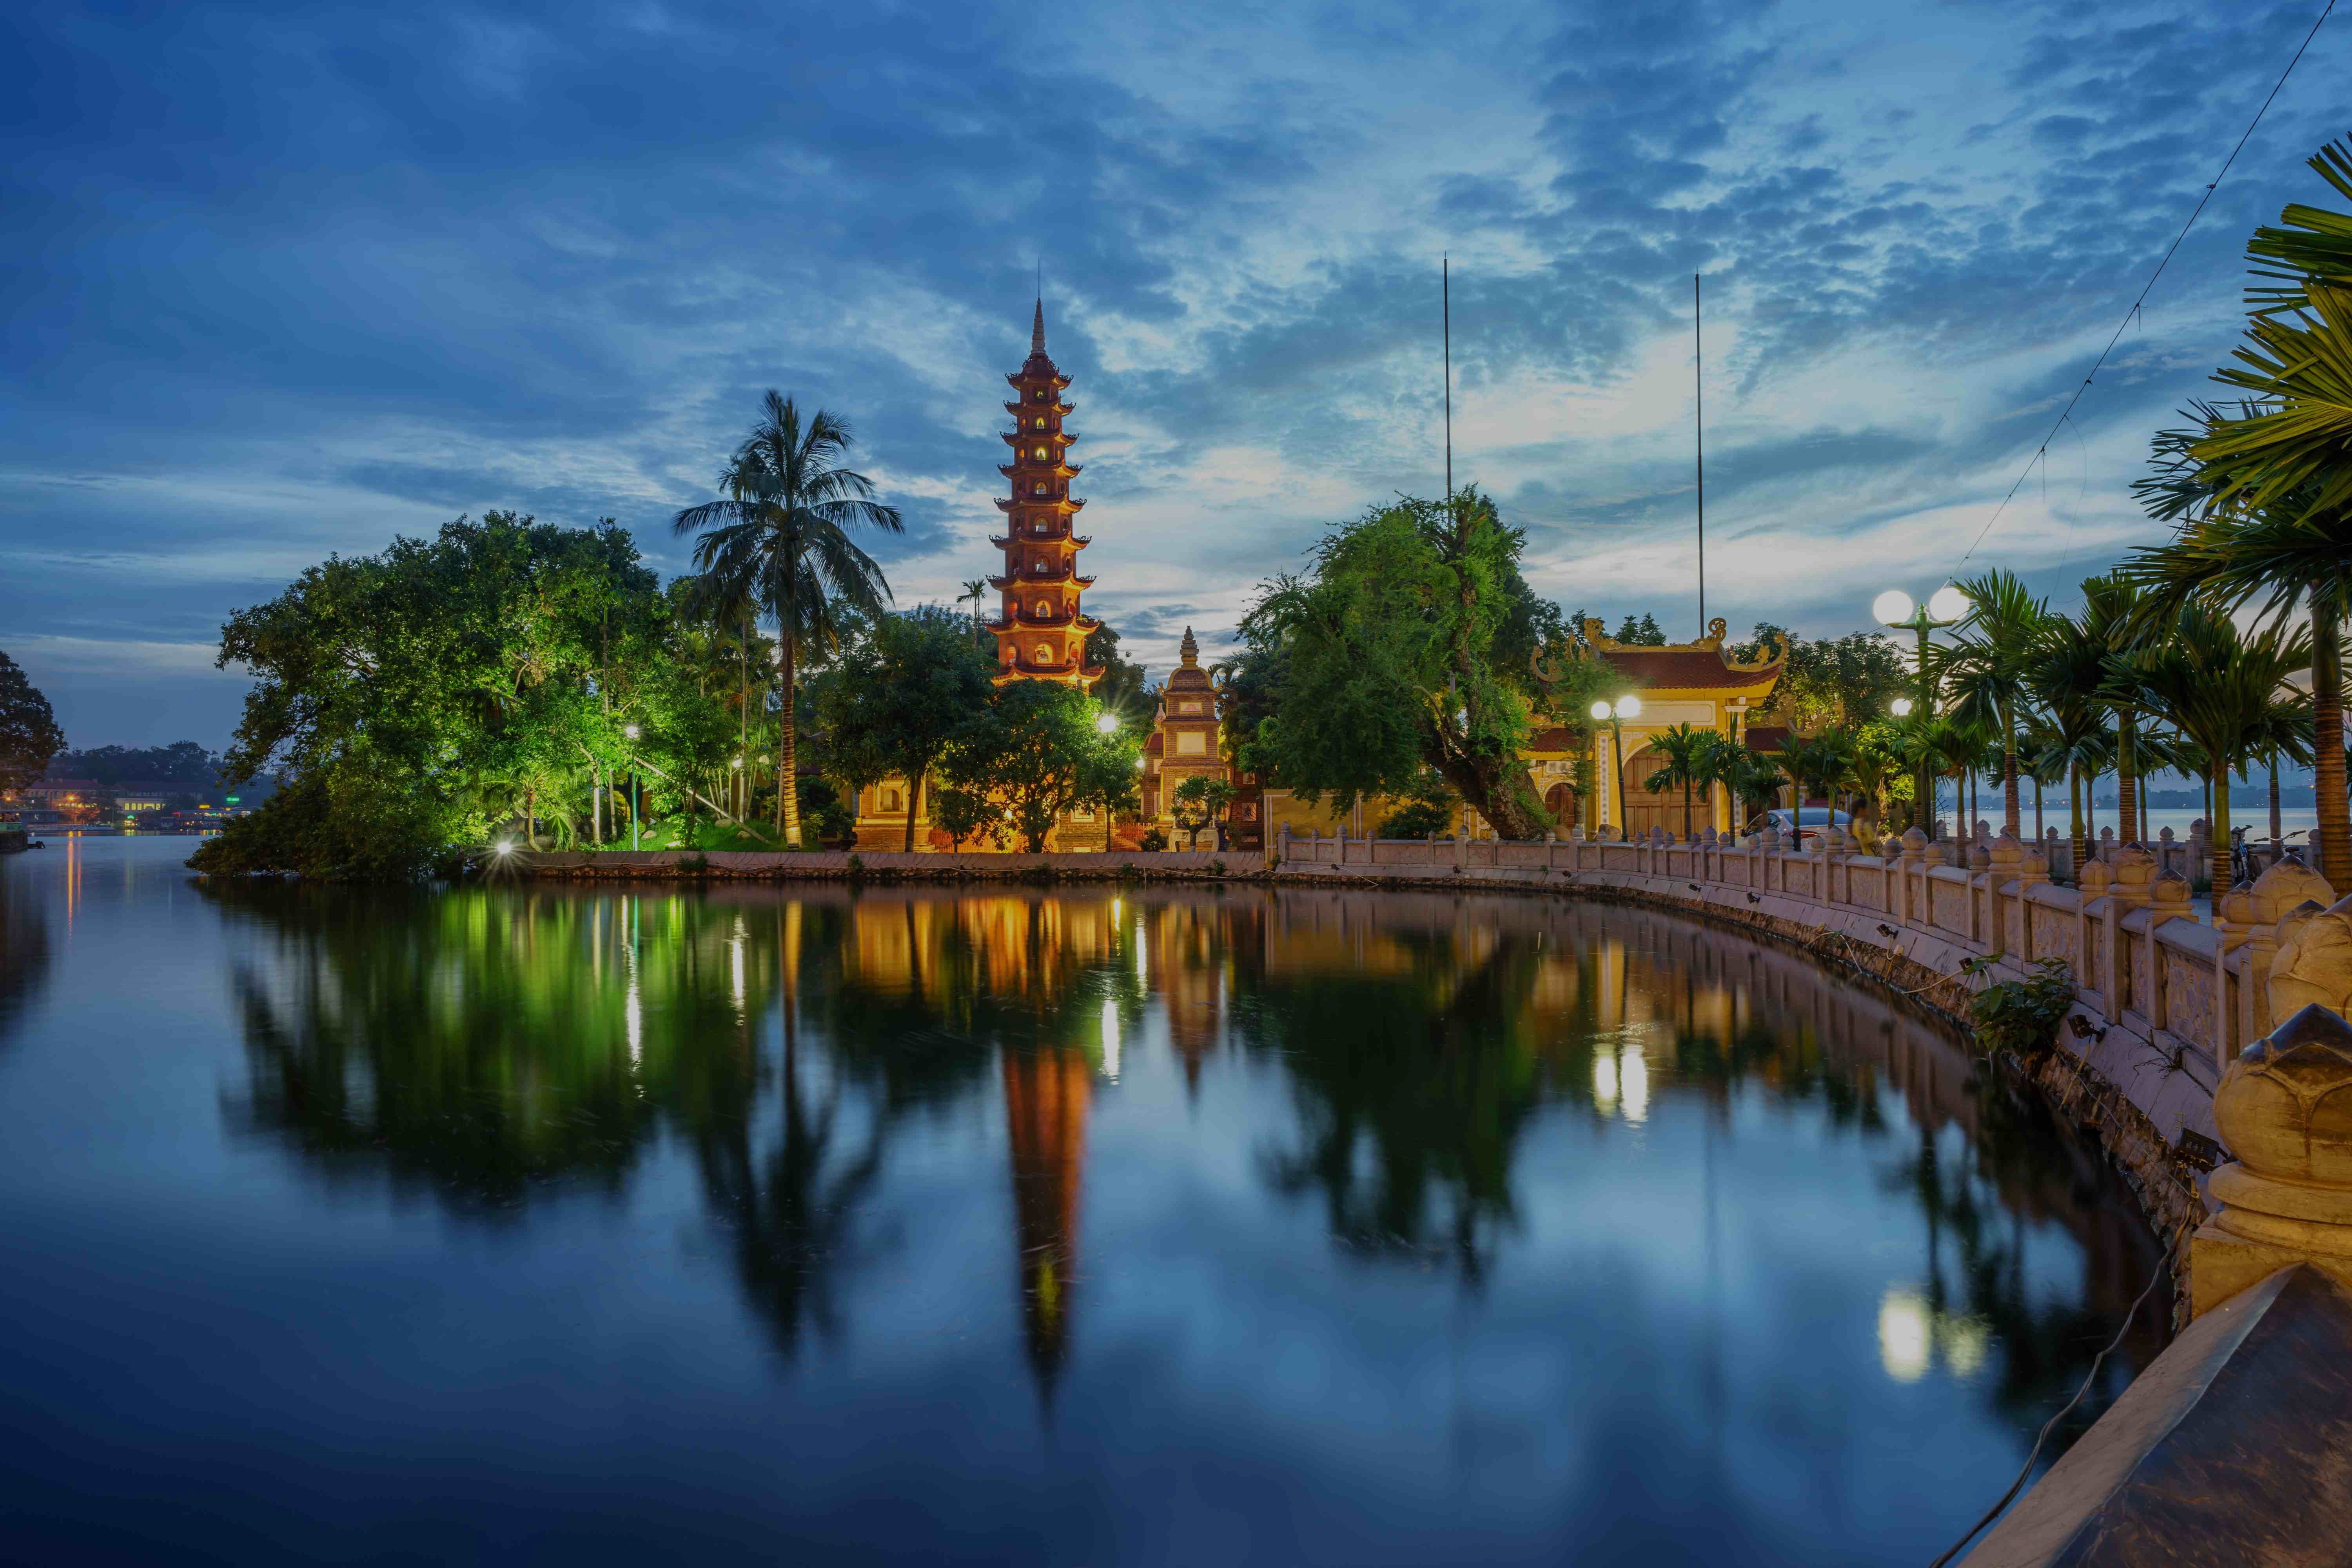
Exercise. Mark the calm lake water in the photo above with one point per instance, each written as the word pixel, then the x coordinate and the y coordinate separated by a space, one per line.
pixel 543 1226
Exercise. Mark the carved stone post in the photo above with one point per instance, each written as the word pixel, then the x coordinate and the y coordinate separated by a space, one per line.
pixel 2284 1111
pixel 2091 887
pixel 2167 901
pixel 2134 873
pixel 1911 876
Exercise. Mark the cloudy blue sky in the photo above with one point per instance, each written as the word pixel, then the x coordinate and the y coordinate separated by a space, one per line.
pixel 282 281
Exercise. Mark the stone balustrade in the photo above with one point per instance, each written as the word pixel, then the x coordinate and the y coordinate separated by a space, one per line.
pixel 2166 1000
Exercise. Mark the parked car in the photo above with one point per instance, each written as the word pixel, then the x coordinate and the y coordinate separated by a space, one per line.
pixel 1814 818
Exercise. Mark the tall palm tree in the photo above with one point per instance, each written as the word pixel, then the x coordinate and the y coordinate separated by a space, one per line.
pixel 976 590
pixel 2267 493
pixel 781 538
pixel 1987 662
pixel 2068 668
pixel 2221 690
pixel 2118 618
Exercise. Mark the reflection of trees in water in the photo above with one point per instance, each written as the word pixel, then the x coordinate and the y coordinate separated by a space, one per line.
pixel 23 947
pixel 2019 1162
pixel 1411 1091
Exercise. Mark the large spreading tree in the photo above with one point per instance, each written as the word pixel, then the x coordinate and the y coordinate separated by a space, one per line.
pixel 1405 645
pixel 29 735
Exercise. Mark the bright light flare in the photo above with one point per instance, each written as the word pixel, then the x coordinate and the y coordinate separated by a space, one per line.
pixel 1891 608
pixel 1106 724
pixel 1900 707
pixel 504 846
pixel 1601 710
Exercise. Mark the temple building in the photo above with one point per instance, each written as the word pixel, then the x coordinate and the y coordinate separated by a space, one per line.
pixel 1185 744
pixel 1695 683
pixel 1041 631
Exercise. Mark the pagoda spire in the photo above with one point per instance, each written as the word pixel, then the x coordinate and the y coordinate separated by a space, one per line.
pixel 1042 633
pixel 1190 651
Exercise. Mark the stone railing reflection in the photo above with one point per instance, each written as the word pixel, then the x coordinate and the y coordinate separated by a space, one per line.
pixel 2195 990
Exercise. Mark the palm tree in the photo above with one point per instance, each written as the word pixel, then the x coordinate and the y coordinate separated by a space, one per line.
pixel 2222 689
pixel 976 590
pixel 781 539
pixel 2118 618
pixel 2068 668
pixel 1987 664
pixel 1682 749
pixel 2266 494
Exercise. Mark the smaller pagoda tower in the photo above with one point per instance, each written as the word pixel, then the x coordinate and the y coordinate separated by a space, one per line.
pixel 1040 633
pixel 1184 742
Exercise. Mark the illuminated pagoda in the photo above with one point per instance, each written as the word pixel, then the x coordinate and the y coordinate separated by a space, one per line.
pixel 1042 633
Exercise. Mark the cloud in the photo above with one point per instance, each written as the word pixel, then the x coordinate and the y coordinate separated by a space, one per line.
pixel 283 289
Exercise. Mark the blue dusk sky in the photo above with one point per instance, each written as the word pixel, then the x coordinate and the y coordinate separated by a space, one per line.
pixel 286 280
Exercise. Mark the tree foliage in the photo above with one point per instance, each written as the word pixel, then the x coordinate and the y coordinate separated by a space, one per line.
pixel 29 735
pixel 1396 654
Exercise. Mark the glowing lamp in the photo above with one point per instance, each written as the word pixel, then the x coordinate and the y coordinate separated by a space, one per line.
pixel 1629 707
pixel 1949 603
pixel 1891 608
pixel 1601 710
pixel 1900 707
pixel 1105 723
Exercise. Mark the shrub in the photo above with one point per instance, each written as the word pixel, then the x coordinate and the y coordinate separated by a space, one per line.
pixel 1417 820
pixel 345 828
pixel 2022 1017
pixel 1153 842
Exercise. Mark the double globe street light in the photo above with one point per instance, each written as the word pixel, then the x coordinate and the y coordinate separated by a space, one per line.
pixel 1894 608
pixel 1615 713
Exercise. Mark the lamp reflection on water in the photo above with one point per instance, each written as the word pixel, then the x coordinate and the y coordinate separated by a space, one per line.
pixel 1620 1082
pixel 1111 1040
pixel 1911 1334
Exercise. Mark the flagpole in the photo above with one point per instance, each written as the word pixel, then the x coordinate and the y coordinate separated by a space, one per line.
pixel 1698 417
pixel 1445 297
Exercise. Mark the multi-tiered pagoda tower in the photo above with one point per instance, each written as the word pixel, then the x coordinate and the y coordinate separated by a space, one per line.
pixel 1042 633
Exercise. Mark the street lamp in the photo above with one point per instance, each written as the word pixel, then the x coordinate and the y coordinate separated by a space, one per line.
pixel 1105 723
pixel 631 732
pixel 1626 706
pixel 1893 609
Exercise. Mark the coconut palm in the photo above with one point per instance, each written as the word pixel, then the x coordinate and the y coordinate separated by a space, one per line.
pixel 781 538
pixel 2221 690
pixel 1987 664
pixel 1683 750
pixel 2265 493
pixel 976 590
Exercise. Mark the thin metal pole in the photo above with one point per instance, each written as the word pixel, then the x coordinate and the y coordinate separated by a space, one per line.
pixel 1445 298
pixel 1698 395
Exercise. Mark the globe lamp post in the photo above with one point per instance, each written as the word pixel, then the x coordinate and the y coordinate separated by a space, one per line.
pixel 1892 609
pixel 1615 713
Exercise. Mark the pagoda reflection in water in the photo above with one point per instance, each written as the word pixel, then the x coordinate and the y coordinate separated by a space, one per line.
pixel 495 1048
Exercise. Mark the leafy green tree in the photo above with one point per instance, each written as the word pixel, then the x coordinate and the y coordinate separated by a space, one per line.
pixel 29 735
pixel 895 701
pixel 1846 681
pixel 1201 802
pixel 780 537
pixel 1037 751
pixel 424 694
pixel 1643 633
pixel 1392 649
pixel 964 814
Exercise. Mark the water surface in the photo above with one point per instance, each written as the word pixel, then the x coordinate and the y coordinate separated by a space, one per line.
pixel 532 1225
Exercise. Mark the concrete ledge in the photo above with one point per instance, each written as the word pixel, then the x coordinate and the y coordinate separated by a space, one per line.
pixel 833 865
pixel 2233 1447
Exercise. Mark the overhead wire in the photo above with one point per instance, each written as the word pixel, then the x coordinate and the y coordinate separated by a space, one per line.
pixel 2042 450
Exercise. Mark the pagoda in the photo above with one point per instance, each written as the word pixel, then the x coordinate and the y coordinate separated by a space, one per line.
pixel 1042 633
